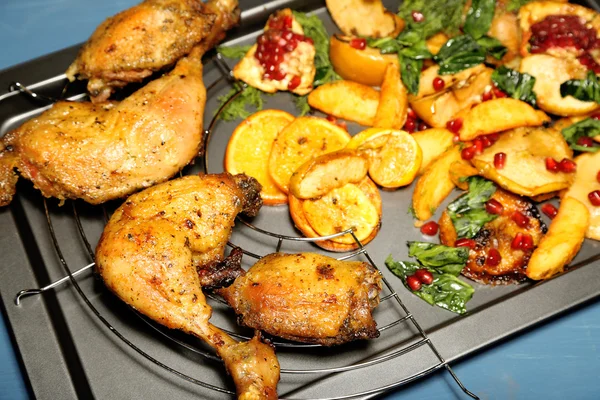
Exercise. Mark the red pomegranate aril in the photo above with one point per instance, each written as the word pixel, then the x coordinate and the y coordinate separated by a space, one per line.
pixel 410 125
pixel 567 165
pixel 520 219
pixel 438 84
pixel 411 113
pixel 464 242
pixel 493 206
pixel 478 144
pixel 430 228
pixel 423 126
pixel 413 283
pixel 551 164
pixel 493 258
pixel 468 153
pixel 493 137
pixel 424 276
pixel 417 16
pixel 549 210
pixel 499 160
pixel 487 142
pixel 454 125
pixel 358 43
pixel 596 116
pixel 527 243
pixel 594 197
pixel 517 242
pixel 331 118
pixel 487 96
pixel 294 82
pixel 287 21
pixel 585 141
pixel 499 94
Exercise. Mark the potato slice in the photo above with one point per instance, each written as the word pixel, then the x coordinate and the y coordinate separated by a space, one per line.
pixel 562 242
pixel 322 174
pixel 303 139
pixel 365 66
pixel 364 18
pixel 525 170
pixel 433 142
pixel 334 210
pixel 346 99
pixel 249 147
pixel 499 115
pixel 505 28
pixel 550 72
pixel 434 185
pixel 393 100
pixel 588 166
pixel 459 171
pixel 436 42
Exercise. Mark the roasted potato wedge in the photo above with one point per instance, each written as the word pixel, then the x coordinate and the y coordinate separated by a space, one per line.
pixel 393 100
pixel 346 99
pixel 364 18
pixel 434 185
pixel 499 115
pixel 303 139
pixel 433 142
pixel 586 181
pixel 562 242
pixel 365 66
pixel 459 171
pixel 550 72
pixel 525 170
pixel 435 43
pixel 353 205
pixel 505 28
pixel 322 174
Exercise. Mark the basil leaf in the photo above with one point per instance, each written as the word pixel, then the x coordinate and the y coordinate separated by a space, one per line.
pixel 385 45
pixel 588 127
pixel 409 37
pixel 468 212
pixel 418 51
pixel 459 53
pixel 492 46
pixel 439 16
pixel 234 51
pixel 514 5
pixel 479 18
pixel 439 257
pixel 410 72
pixel 517 85
pixel 587 89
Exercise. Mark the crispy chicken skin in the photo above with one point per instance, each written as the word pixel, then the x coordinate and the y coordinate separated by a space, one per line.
pixel 149 252
pixel 308 297
pixel 154 34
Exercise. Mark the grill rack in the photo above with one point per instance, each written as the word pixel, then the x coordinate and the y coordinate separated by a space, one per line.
pixel 405 317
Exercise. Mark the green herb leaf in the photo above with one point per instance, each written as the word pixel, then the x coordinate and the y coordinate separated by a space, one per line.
pixel 410 72
pixel 386 45
pixel 238 107
pixel 492 46
pixel 517 85
pixel 417 51
pixel 302 105
pixel 440 16
pixel 468 212
pixel 442 259
pixel 588 127
pixel 459 53
pixel 479 18
pixel 234 51
pixel 582 89
pixel 514 5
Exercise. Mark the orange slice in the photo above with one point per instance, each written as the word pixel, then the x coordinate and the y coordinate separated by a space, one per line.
pixel 249 148
pixel 394 156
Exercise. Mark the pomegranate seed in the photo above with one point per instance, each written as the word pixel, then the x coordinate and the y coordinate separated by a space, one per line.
pixel 493 206
pixel 549 210
pixel 438 84
pixel 493 137
pixel 470 243
pixel 487 96
pixel 594 197
pixel 585 141
pixel 499 160
pixel 294 82
pixel 417 16
pixel 567 165
pixel 598 176
pixel 331 118
pixel 499 94
pixel 493 258
pixel 430 228
pixel 520 219
pixel 411 113
pixel 468 153
pixel 424 276
pixel 551 164
pixel 478 144
pixel 410 125
pixel 454 125
pixel 527 243
pixel 413 283
pixel 517 242
pixel 423 126
pixel 358 43
pixel 487 142
pixel 287 21
pixel 596 116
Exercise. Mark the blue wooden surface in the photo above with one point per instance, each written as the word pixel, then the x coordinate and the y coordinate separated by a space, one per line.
pixel 555 361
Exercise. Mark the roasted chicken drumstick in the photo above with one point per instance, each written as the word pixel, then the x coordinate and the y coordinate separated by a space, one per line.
pixel 149 252
pixel 148 37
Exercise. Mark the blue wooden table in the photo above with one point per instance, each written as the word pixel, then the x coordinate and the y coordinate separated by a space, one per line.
pixel 557 360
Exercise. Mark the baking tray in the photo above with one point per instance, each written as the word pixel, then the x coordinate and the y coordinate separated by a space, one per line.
pixel 68 353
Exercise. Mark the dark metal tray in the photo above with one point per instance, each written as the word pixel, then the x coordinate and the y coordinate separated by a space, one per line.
pixel 68 353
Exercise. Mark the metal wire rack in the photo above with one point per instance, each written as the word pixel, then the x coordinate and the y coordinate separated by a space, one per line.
pixel 404 316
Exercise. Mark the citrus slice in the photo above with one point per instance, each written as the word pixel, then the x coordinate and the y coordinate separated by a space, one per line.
pixel 249 148
pixel 303 139
pixel 394 156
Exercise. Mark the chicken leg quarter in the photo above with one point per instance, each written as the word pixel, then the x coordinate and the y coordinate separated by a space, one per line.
pixel 149 253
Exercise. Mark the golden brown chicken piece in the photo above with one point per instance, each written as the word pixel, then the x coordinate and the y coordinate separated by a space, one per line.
pixel 308 297
pixel 149 252
pixel 154 34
